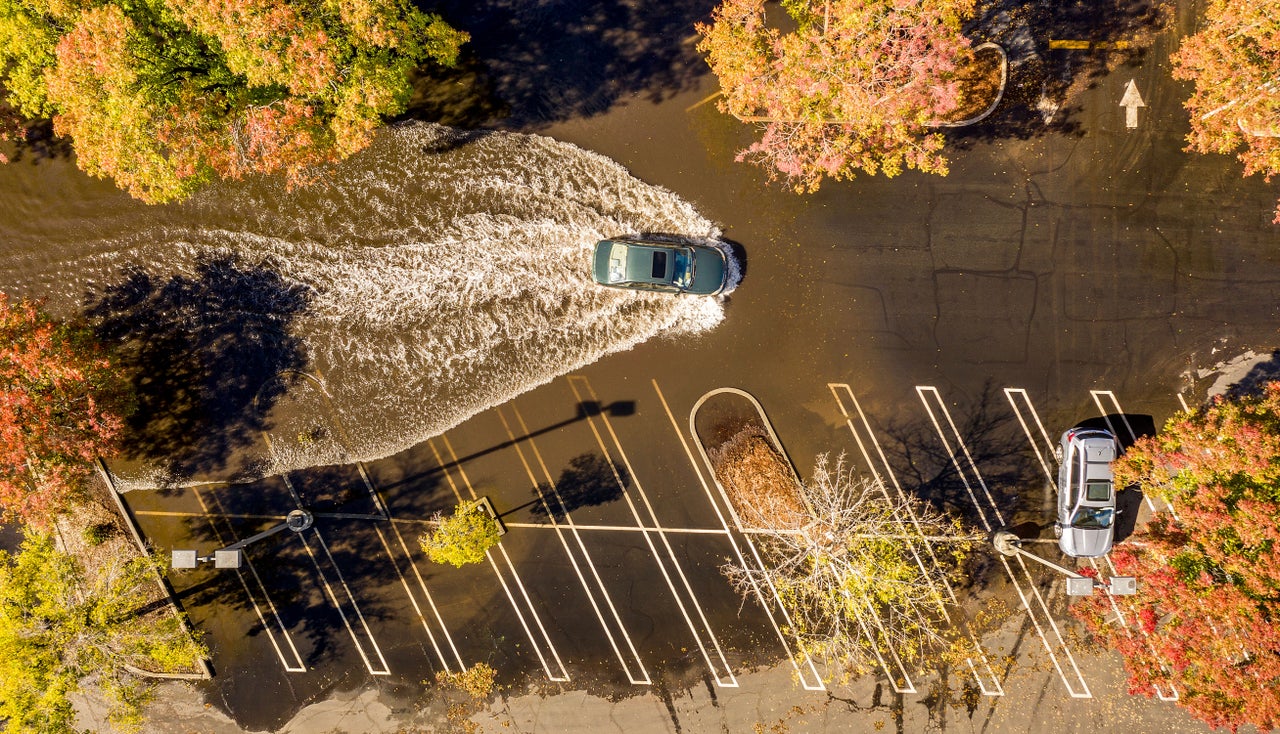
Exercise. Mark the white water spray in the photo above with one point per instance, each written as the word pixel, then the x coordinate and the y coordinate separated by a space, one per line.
pixel 446 275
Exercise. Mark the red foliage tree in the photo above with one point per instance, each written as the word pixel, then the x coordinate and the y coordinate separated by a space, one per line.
pixel 1234 62
pixel 851 89
pixel 60 407
pixel 1209 580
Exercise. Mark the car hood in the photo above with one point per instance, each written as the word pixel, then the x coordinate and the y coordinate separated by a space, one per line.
pixel 708 271
pixel 1085 543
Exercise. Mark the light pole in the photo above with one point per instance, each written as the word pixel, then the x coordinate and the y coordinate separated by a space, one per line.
pixel 1009 544
pixel 232 555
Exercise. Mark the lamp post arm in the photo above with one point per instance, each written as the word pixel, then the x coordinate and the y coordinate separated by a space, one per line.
pixel 255 538
pixel 1050 564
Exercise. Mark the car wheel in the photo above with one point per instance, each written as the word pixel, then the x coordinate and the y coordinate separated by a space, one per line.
pixel 1057 530
pixel 1057 453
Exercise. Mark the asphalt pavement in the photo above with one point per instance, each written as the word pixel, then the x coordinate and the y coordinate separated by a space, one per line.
pixel 940 330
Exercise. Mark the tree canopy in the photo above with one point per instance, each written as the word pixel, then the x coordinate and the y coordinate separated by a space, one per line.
pixel 842 555
pixel 461 538
pixel 62 624
pixel 61 401
pixel 1234 63
pixel 165 95
pixel 850 89
pixel 1209 577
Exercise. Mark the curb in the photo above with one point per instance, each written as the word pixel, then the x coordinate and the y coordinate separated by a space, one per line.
pixel 1004 81
pixel 206 671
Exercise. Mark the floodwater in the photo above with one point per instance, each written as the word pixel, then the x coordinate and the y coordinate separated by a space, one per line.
pixel 430 277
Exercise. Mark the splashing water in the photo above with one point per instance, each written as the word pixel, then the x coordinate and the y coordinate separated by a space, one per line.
pixel 446 274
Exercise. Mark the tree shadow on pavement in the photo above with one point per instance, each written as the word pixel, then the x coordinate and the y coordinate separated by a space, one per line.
pixel 531 63
pixel 1009 473
pixel 589 480
pixel 200 349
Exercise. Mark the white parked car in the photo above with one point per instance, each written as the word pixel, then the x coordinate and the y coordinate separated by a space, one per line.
pixel 1086 492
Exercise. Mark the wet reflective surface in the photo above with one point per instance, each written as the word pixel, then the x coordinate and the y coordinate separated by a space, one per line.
pixel 432 278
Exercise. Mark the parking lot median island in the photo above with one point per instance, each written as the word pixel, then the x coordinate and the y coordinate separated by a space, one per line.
pixel 758 481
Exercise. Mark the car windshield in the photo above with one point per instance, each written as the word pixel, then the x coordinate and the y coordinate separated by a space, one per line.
pixel 682 276
pixel 617 263
pixel 1092 518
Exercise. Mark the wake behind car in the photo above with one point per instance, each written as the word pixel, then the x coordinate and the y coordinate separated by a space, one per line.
pixel 661 267
pixel 1086 492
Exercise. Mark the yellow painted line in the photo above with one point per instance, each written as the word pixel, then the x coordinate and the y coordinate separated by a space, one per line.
pixel 1078 45
pixel 162 513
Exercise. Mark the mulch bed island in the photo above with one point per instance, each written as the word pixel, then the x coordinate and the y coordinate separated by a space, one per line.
pixel 758 481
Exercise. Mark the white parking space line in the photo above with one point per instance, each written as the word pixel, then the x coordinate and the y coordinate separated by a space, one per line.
pixel 562 676
pixel 317 380
pixel 618 528
pixel 297 666
pixel 994 688
pixel 1097 396
pixel 1124 624
pixel 1183 402
pixel 1044 436
pixel 1009 393
pixel 811 679
pixel 333 597
pixel 1081 690
pixel 444 661
pixel 633 663
pixel 701 630
pixel 293 492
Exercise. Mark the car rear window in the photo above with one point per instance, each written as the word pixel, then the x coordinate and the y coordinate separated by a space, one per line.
pixel 659 265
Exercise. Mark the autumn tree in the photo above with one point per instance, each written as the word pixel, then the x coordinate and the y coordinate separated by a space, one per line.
pixel 842 556
pixel 851 88
pixel 1234 63
pixel 165 95
pixel 64 626
pixel 61 401
pixel 461 538
pixel 1209 576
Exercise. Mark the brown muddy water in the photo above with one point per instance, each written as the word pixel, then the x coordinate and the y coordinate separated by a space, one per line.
pixel 428 278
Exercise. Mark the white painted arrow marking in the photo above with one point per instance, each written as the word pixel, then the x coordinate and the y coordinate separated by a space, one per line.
pixel 1131 101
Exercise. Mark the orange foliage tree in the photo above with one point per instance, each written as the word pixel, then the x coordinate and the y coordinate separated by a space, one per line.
pixel 1234 63
pixel 165 95
pixel 850 89
pixel 61 401
pixel 1209 579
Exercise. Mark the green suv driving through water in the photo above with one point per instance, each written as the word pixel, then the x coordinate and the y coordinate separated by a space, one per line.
pixel 662 267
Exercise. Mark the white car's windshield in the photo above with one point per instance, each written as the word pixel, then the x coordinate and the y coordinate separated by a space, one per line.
pixel 1093 518
pixel 682 275
pixel 617 263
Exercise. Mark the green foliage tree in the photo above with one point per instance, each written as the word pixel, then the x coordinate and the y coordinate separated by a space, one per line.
pixel 1209 590
pixel 462 537
pixel 1234 62
pixel 850 89
pixel 847 565
pixel 165 95
pixel 63 626
pixel 61 401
